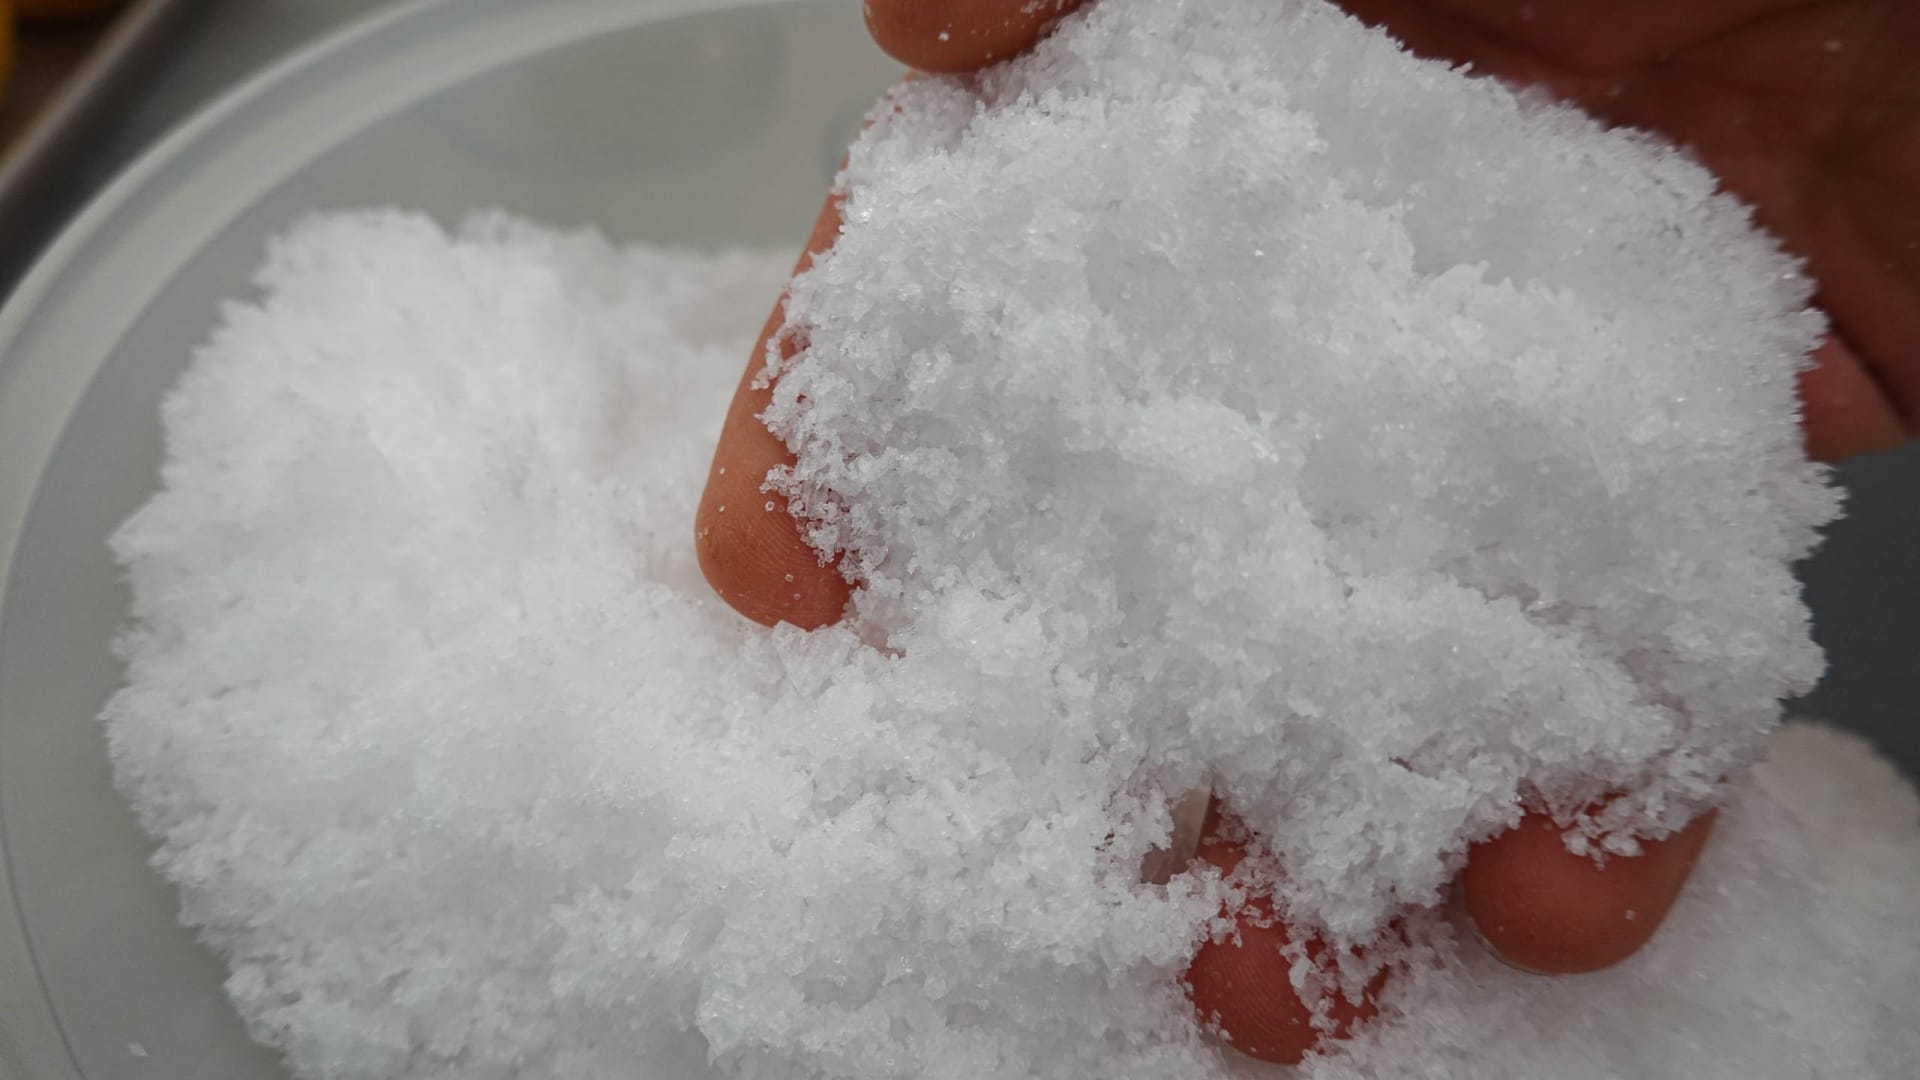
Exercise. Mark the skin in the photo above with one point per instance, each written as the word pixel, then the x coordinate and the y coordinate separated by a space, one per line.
pixel 1234 984
pixel 1806 109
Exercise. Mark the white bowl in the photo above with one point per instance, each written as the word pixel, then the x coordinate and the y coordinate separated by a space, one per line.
pixel 676 121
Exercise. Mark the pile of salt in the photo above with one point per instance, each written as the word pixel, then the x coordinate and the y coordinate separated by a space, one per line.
pixel 1218 394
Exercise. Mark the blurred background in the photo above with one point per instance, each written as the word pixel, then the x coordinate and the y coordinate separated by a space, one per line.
pixel 88 84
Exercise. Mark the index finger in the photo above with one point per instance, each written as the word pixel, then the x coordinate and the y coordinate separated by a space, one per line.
pixel 750 548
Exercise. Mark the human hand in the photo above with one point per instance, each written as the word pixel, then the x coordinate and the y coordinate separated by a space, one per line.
pixel 1804 112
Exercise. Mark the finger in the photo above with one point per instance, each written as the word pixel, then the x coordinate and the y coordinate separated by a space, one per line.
pixel 960 35
pixel 1242 986
pixel 750 547
pixel 1544 909
pixel 1843 408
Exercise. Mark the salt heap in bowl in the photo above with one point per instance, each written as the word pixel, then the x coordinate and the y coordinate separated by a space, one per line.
pixel 1218 396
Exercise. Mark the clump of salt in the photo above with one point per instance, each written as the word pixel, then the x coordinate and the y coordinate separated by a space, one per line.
pixel 1388 446
pixel 1352 435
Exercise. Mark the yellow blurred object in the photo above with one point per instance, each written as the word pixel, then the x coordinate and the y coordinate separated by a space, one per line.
pixel 62 9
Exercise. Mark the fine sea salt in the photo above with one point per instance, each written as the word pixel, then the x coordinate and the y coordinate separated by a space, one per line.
pixel 1219 396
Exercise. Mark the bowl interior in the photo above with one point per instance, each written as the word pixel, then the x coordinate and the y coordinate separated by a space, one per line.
pixel 680 123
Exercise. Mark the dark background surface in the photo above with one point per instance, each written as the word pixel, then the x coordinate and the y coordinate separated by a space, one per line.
pixel 199 50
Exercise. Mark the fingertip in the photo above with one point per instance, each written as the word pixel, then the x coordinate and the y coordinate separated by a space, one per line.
pixel 750 548
pixel 1242 986
pixel 1547 910
pixel 950 36
pixel 754 556
pixel 1843 410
